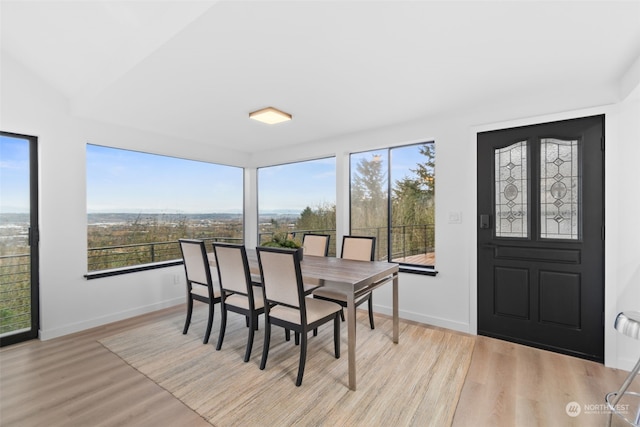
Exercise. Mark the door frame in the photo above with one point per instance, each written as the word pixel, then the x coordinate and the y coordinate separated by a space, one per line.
pixel 34 241
pixel 610 290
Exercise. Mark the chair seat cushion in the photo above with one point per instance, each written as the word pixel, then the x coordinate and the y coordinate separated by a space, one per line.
pixel 203 292
pixel 316 309
pixel 238 300
pixel 328 293
pixel 308 287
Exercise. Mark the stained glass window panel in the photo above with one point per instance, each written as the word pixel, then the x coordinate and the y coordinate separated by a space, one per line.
pixel 559 189
pixel 511 182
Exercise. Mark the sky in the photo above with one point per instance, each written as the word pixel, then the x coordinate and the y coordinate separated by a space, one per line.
pixel 312 183
pixel 295 186
pixel 14 175
pixel 403 160
pixel 133 182
pixel 129 181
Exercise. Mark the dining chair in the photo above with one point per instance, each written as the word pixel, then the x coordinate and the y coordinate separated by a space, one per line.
pixel 287 306
pixel 357 248
pixel 200 285
pixel 316 244
pixel 238 293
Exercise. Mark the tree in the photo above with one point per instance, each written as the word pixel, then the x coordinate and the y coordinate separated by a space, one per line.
pixel 369 194
pixel 323 217
pixel 413 198
pixel 413 205
pixel 426 171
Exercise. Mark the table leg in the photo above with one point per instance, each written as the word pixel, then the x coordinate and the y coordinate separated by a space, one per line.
pixel 396 322
pixel 351 339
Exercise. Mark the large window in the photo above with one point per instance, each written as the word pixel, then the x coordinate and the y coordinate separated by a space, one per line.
pixel 297 198
pixel 140 204
pixel 393 199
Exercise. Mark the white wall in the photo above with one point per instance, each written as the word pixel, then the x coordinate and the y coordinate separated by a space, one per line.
pixel 71 303
pixel 623 230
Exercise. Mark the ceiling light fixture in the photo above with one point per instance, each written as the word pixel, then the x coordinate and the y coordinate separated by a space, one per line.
pixel 270 116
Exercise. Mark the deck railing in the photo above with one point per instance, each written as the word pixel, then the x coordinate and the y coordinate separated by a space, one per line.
pixel 408 240
pixel 107 257
pixel 15 293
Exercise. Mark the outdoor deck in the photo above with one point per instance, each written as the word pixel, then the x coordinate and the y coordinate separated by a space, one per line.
pixel 422 259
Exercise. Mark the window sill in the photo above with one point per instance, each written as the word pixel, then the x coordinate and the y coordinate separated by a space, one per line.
pixel 425 271
pixel 132 269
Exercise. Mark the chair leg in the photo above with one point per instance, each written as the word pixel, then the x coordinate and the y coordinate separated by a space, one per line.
pixel 623 388
pixel 265 347
pixel 303 357
pixel 371 311
pixel 287 335
pixel 342 314
pixel 187 322
pixel 209 323
pixel 315 332
pixel 223 327
pixel 246 321
pixel 336 336
pixel 252 328
pixel 297 338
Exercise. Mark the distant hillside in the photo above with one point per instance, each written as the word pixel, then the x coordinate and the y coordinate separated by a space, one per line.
pixel 101 218
pixel 14 218
pixel 128 218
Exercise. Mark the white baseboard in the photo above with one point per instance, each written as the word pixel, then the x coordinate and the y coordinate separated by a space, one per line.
pixel 47 334
pixel 626 364
pixel 427 320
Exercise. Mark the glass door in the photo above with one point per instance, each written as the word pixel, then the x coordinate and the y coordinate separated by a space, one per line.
pixel 19 311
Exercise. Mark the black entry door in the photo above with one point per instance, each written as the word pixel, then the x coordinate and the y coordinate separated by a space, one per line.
pixel 541 236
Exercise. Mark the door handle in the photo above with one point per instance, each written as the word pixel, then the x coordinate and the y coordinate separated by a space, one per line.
pixel 485 221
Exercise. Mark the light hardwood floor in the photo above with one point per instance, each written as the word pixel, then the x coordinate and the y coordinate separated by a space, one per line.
pixel 75 381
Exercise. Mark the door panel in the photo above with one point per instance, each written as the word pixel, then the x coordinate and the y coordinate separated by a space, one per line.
pixel 512 292
pixel 540 244
pixel 559 298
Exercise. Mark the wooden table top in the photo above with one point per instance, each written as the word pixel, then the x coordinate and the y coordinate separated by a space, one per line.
pixel 335 273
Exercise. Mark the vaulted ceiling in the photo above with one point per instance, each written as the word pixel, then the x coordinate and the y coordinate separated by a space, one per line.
pixel 195 69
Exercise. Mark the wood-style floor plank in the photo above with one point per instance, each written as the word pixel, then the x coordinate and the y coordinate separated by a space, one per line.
pixel 75 381
pixel 513 385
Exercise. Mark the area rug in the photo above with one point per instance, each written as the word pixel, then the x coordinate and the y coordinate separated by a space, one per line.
pixel 414 383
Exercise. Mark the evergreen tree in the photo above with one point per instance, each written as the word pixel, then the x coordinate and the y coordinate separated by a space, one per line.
pixel 322 218
pixel 413 207
pixel 369 194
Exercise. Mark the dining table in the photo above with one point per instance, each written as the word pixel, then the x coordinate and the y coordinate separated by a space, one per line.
pixel 350 278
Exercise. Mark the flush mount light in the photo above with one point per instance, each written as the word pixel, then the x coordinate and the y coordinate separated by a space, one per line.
pixel 270 116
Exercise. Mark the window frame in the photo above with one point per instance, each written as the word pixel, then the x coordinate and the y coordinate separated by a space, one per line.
pixel 333 246
pixel 95 274
pixel 428 270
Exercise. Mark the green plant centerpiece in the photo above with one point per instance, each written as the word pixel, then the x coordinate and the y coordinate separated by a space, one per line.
pixel 282 240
